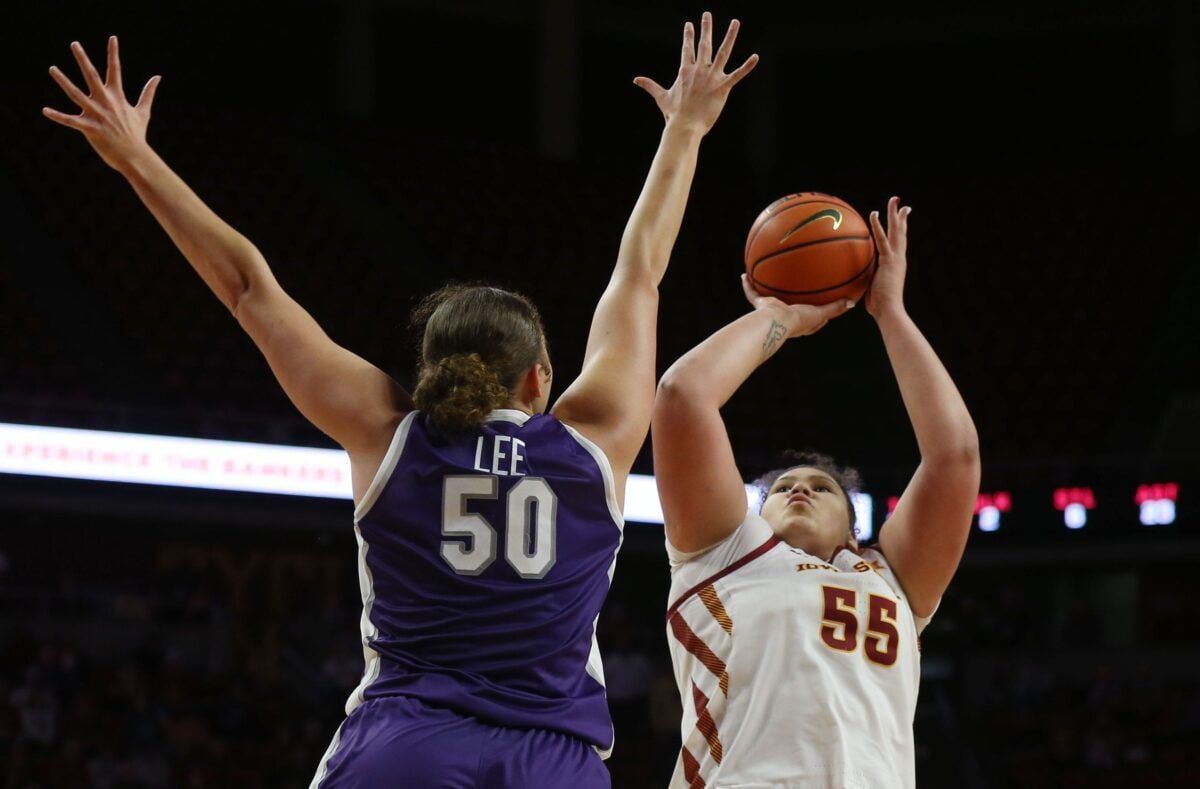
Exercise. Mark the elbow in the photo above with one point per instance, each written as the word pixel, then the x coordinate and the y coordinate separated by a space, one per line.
pixel 673 385
pixel 679 390
pixel 238 296
pixel 636 273
pixel 248 277
pixel 642 258
pixel 962 455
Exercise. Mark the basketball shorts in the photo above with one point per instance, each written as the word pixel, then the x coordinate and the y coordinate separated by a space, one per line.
pixel 401 742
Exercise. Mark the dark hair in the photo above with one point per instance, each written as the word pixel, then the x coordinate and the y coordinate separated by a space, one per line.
pixel 848 479
pixel 476 341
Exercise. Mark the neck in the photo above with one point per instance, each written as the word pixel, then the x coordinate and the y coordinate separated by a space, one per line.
pixel 519 405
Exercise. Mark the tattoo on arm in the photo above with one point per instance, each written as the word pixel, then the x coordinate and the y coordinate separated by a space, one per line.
pixel 775 335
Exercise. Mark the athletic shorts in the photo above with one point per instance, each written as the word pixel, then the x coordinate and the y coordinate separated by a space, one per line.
pixel 401 742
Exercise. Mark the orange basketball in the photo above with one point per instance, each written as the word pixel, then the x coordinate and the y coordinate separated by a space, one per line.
pixel 810 248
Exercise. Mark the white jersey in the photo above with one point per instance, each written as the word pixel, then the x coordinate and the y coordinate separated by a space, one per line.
pixel 793 671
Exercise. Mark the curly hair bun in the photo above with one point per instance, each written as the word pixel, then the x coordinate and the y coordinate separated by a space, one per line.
pixel 459 391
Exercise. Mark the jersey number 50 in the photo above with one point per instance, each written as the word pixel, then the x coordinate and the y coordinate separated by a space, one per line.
pixel 531 506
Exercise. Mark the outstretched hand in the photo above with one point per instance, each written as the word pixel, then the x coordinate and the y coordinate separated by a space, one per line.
pixel 798 320
pixel 702 86
pixel 114 128
pixel 887 287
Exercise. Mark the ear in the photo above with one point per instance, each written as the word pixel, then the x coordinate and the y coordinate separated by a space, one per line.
pixel 534 381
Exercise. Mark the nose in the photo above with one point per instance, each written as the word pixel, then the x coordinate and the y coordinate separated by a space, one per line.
pixel 798 487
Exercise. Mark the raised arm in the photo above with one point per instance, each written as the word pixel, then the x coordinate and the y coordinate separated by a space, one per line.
pixel 703 496
pixel 611 400
pixel 925 537
pixel 346 397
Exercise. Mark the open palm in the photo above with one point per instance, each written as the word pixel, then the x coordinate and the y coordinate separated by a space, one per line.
pixel 701 87
pixel 115 128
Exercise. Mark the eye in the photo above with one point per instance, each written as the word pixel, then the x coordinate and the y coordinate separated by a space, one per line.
pixel 825 488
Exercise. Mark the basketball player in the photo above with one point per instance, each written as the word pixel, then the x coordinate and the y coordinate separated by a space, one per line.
pixel 795 651
pixel 487 529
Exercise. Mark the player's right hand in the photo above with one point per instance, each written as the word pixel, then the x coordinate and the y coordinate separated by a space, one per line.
pixel 798 319
pixel 114 128
pixel 701 87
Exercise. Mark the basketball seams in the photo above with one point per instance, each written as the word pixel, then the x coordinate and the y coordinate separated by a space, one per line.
pixel 870 265
pixel 754 266
pixel 765 220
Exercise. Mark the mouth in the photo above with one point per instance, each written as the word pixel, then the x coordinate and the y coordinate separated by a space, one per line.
pixel 799 498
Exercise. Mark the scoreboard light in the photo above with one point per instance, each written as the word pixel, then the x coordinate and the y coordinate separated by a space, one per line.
pixel 1156 503
pixel 68 453
pixel 864 509
pixel 989 507
pixel 1074 504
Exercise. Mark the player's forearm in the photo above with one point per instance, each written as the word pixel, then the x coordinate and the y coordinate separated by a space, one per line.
pixel 711 372
pixel 224 258
pixel 943 426
pixel 654 224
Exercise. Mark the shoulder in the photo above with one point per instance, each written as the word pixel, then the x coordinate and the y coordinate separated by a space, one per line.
pixel 878 562
pixel 371 469
pixel 751 535
pixel 691 572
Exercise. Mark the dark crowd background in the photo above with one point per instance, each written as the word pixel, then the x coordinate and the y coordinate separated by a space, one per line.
pixel 155 637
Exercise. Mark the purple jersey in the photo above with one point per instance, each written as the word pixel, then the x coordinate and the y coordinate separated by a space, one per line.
pixel 484 558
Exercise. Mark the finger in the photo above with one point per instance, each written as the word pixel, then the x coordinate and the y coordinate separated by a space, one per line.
pixel 689 45
pixel 147 97
pixel 75 94
pixel 112 77
pixel 881 238
pixel 726 46
pixel 90 75
pixel 893 212
pixel 650 86
pixel 742 70
pixel 835 308
pixel 752 295
pixel 900 233
pixel 704 51
pixel 77 122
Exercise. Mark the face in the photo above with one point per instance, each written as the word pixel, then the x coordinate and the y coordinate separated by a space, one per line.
pixel 808 510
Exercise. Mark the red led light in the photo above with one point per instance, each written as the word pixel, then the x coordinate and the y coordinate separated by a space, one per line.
pixel 1000 500
pixel 1063 497
pixel 1157 491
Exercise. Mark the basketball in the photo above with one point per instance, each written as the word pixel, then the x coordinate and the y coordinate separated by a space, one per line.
pixel 810 248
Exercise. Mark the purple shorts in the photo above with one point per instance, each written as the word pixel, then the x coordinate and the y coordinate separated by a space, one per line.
pixel 401 742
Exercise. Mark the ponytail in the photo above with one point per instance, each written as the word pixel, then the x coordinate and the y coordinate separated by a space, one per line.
pixel 459 391
pixel 476 342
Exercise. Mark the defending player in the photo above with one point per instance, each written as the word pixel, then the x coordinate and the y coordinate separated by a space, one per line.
pixel 796 653
pixel 487 529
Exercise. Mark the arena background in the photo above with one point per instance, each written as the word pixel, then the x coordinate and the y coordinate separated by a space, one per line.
pixel 164 636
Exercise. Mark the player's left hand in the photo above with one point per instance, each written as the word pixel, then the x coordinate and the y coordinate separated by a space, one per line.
pixel 115 128
pixel 701 87
pixel 887 287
